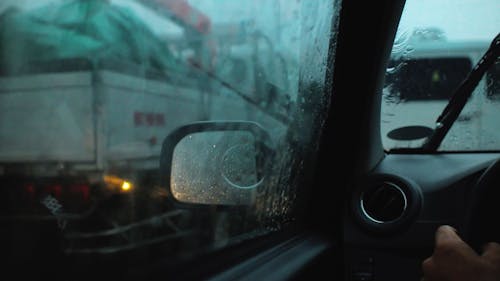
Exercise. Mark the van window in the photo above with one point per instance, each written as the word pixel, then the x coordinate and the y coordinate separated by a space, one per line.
pixel 428 79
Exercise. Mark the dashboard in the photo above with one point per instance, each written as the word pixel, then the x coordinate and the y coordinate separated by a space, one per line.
pixel 395 210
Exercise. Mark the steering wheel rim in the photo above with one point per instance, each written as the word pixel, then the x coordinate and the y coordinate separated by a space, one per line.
pixel 481 221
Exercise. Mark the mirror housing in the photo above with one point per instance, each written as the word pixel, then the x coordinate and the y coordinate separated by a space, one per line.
pixel 215 163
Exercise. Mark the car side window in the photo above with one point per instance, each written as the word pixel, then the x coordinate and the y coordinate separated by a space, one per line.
pixel 90 90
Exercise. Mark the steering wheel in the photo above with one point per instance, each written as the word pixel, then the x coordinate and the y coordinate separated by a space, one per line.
pixel 482 220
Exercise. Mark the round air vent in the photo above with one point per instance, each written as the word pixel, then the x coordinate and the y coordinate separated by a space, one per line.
pixel 386 203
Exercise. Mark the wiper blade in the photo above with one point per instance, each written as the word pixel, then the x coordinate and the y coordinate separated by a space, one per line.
pixel 460 97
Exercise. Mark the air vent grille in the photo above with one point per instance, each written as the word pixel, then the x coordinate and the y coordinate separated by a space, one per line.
pixel 384 203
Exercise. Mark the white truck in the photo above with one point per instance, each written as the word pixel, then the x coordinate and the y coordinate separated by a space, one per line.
pixel 77 131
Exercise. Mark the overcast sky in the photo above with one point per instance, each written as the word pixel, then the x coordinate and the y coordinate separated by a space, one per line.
pixel 459 19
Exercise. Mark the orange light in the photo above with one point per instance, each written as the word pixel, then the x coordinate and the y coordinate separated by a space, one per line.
pixel 114 182
pixel 126 186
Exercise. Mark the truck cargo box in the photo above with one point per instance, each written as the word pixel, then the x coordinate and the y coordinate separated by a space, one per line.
pixel 110 113
pixel 89 115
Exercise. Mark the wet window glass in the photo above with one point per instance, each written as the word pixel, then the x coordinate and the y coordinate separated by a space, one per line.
pixel 437 44
pixel 493 81
pixel 92 90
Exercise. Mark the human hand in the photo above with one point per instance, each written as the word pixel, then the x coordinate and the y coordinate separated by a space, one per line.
pixel 454 260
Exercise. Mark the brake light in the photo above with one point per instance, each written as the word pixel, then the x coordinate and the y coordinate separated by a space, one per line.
pixel 21 196
pixel 81 189
pixel 72 196
pixel 54 190
pixel 29 190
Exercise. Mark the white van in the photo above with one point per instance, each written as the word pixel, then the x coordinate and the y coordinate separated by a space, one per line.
pixel 423 76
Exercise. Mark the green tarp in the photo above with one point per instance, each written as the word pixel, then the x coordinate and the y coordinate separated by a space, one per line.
pixel 90 29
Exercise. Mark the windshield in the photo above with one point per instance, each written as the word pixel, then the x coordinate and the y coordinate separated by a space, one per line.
pixel 89 90
pixel 432 54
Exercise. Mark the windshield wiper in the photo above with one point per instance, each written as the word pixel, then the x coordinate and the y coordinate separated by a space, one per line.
pixel 460 97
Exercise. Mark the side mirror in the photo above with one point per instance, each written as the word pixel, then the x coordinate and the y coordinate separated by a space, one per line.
pixel 215 163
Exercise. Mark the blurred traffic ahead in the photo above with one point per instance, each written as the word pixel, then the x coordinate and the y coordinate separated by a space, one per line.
pixel 89 89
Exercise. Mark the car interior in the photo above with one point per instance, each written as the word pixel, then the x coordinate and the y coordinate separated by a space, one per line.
pixel 372 214
pixel 364 211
